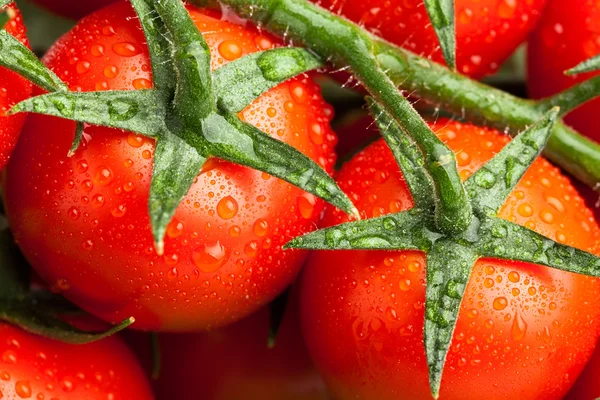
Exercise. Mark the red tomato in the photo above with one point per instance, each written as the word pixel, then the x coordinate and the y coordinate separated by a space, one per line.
pixel 524 331
pixel 234 363
pixel 83 222
pixel 13 89
pixel 587 386
pixel 566 35
pixel 39 368
pixel 74 9
pixel 487 31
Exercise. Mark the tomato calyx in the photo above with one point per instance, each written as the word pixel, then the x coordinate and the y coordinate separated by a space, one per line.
pixel 441 15
pixel 34 310
pixel 450 258
pixel 192 113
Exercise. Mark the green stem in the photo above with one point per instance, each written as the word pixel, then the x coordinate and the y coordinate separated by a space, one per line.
pixel 573 97
pixel 424 78
pixel 346 44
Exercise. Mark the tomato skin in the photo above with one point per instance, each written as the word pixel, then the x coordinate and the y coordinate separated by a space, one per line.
pixel 73 9
pixel 565 36
pixel 83 222
pixel 233 362
pixel 487 31
pixel 524 331
pixel 13 89
pixel 39 368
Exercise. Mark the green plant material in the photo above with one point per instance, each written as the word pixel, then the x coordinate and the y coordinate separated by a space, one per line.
pixel 590 65
pixel 190 112
pixel 344 44
pixel 573 97
pixel 441 15
pixel 450 257
pixel 35 312
pixel 336 40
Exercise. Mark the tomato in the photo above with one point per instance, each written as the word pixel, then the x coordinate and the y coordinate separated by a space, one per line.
pixel 524 331
pixel 39 368
pixel 565 36
pixel 74 9
pixel 83 222
pixel 13 89
pixel 487 31
pixel 234 363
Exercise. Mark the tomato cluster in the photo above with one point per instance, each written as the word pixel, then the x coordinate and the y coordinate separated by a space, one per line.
pixel 357 317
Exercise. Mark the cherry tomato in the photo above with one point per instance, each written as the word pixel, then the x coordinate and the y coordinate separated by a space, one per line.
pixel 13 89
pixel 83 222
pixel 566 35
pixel 487 31
pixel 524 331
pixel 74 9
pixel 38 368
pixel 234 362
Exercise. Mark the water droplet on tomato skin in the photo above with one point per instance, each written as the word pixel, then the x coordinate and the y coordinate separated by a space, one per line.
pixel 230 50
pixel 500 303
pixel 126 49
pixel 306 205
pixel 519 327
pixel 103 176
pixel 227 207
pixel 23 389
pixel 261 227
pixel 210 258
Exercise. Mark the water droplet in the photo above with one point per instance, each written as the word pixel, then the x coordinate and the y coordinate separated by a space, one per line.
pixel 317 134
pixel 261 227
pixel 298 92
pixel 9 357
pixel 306 205
pixel 485 178
pixel 142 83
pixel 500 303
pixel 108 30
pixel 404 284
pixel 251 249
pixel 23 389
pixel 111 71
pixel 82 166
pixel 175 228
pixel 98 201
pixel 103 176
pixel 82 67
pixel 126 49
pixel 68 385
pixel 547 216
pixel 227 207
pixel 211 257
pixel 514 276
pixel 519 327
pixel 507 8
pixel 119 211
pixel 525 210
pixel 5 375
pixel 488 282
pixel 235 231
pixel 230 50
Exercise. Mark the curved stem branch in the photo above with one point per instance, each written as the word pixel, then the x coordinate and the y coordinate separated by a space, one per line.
pixel 430 81
pixel 573 97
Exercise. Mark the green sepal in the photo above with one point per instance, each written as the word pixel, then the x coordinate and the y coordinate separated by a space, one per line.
pixel 159 46
pixel 191 60
pixel 242 143
pixel 407 155
pixel 441 15
pixel 79 127
pixel 140 111
pixel 240 82
pixel 277 310
pixel 443 296
pixel 176 165
pixel 401 231
pixel 23 313
pixel 491 185
pixel 15 56
pixel 590 65
pixel 507 240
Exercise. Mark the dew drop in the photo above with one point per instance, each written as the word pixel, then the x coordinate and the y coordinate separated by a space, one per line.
pixel 23 389
pixel 142 83
pixel 500 303
pixel 227 207
pixel 175 228
pixel 261 227
pixel 519 327
pixel 103 176
pixel 230 50
pixel 126 49
pixel 306 205
pixel 514 276
pixel 211 257
pixel 525 210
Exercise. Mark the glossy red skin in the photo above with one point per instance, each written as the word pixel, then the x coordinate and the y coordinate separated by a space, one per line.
pixel 13 89
pixel 524 331
pixel 73 9
pixel 38 368
pixel 234 363
pixel 568 33
pixel 487 31
pixel 99 252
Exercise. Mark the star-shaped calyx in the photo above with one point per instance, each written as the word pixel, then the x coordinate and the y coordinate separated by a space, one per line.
pixel 451 256
pixel 191 112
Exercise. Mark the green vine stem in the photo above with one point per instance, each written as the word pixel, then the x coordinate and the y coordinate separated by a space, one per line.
pixel 298 20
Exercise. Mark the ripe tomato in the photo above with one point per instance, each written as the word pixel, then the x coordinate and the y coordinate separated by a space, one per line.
pixel 524 331
pixel 566 35
pixel 234 363
pixel 74 9
pixel 487 31
pixel 39 368
pixel 83 222
pixel 13 89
